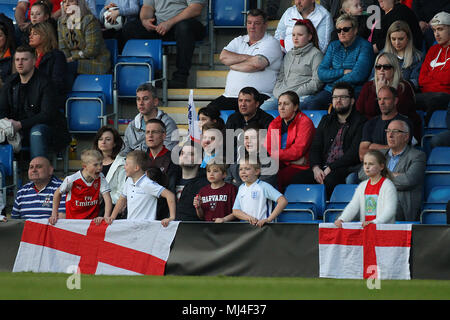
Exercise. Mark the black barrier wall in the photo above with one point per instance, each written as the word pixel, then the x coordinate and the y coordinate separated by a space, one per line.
pixel 276 250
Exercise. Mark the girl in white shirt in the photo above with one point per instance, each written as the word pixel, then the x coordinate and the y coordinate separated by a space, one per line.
pixel 375 198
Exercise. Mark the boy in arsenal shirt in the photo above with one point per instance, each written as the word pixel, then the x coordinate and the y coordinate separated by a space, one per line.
pixel 84 191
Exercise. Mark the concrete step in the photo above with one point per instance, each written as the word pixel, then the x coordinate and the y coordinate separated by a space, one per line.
pixel 179 114
pixel 199 94
pixel 211 78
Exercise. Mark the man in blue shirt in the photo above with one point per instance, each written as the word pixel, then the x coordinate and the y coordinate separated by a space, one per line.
pixel 34 200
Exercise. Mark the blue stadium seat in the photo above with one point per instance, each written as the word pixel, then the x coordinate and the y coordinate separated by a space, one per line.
pixel 273 113
pixel 341 196
pixel 137 64
pixel 433 217
pixel 8 168
pixel 230 13
pixel 224 114
pixel 315 115
pixel 113 48
pixel 439 158
pixel 436 125
pixel 306 202
pixel 8 9
pixel 435 205
pixel 86 103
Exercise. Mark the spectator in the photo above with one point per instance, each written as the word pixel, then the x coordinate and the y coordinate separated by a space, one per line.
pixel 334 150
pixel 118 12
pixel 34 200
pixel 189 179
pixel 289 139
pixel 388 73
pixel 375 199
pixel 40 11
pixel 109 143
pixel 140 194
pixel 354 8
pixel 399 42
pixel 374 135
pixel 348 59
pixel 159 155
pixel 50 60
pixel 84 191
pixel 147 105
pixel 28 101
pixel 334 7
pixel 253 145
pixel 254 61
pixel 212 143
pixel 298 71
pixel 214 202
pixel 442 139
pixel 210 114
pixel 254 199
pixel 425 11
pixel 249 111
pixel 22 14
pixel 434 79
pixel 393 11
pixel 171 20
pixel 81 39
pixel 305 9
pixel 7 47
pixel 407 166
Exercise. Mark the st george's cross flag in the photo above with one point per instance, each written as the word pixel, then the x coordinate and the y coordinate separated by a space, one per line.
pixel 379 251
pixel 123 248
pixel 194 130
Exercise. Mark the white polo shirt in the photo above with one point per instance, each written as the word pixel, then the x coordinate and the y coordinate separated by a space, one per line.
pixel 256 199
pixel 263 81
pixel 142 198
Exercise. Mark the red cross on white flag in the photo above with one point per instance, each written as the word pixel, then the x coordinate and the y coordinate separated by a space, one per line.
pixel 378 251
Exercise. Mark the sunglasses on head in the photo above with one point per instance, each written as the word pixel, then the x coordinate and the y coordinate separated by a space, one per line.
pixel 384 66
pixel 345 29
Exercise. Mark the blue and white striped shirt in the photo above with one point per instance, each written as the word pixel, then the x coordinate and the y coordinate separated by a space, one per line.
pixel 30 204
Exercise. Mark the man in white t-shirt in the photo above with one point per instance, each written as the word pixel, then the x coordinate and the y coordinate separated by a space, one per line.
pixel 305 9
pixel 254 60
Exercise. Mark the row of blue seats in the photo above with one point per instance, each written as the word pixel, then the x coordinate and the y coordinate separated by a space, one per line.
pixel 307 204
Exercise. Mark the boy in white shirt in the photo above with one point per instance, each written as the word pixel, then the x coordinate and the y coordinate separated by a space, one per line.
pixel 140 193
pixel 254 199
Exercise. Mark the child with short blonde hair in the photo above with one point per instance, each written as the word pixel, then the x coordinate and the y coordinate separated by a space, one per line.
pixel 84 190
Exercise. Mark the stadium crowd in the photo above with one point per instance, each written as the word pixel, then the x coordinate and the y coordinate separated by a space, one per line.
pixel 379 84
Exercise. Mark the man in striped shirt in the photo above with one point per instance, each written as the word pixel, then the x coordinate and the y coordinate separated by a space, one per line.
pixel 34 200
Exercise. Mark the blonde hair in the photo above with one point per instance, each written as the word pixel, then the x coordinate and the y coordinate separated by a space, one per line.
pixel 89 154
pixel 411 53
pixel 347 17
pixel 397 72
pixel 222 166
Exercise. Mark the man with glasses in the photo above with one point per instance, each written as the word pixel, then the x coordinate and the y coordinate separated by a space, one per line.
pixel 147 105
pixel 349 59
pixel 374 134
pixel 407 165
pixel 305 9
pixel 334 150
pixel 254 61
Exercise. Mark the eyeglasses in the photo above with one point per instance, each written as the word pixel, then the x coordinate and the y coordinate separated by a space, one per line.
pixel 340 97
pixel 345 29
pixel 394 131
pixel 383 66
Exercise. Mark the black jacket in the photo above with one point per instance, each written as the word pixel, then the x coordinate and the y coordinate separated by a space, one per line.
pixel 39 106
pixel 237 121
pixel 324 137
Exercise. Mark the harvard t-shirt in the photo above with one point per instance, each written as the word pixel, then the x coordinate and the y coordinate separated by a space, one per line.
pixel 217 203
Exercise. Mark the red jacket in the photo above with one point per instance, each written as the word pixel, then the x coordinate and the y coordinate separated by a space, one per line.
pixel 435 71
pixel 299 138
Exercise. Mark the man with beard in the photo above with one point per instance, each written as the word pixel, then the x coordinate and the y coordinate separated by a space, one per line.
pixel 334 150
